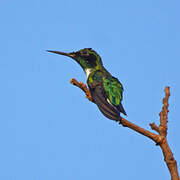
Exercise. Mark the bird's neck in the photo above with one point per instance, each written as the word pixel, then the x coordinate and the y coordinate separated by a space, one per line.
pixel 88 71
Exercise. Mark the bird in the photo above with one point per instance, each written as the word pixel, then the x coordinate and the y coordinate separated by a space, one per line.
pixel 106 90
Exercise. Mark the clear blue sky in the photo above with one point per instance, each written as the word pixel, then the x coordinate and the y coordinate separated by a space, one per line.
pixel 48 129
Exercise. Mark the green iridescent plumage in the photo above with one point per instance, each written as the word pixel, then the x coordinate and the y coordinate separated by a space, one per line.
pixel 105 89
pixel 113 89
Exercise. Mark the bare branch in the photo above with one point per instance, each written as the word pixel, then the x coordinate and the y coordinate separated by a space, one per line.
pixel 160 138
pixel 83 87
pixel 154 127
pixel 156 138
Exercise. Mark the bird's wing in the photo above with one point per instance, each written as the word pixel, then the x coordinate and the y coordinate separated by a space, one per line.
pixel 100 99
pixel 105 95
pixel 114 90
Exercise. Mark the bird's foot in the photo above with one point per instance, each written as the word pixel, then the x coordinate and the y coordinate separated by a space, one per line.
pixel 83 87
pixel 119 121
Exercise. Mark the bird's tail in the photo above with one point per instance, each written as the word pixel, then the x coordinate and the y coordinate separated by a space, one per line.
pixel 121 109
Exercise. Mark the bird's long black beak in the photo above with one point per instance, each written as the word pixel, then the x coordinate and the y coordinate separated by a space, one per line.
pixel 72 54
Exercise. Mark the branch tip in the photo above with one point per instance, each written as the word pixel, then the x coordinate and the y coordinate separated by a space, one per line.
pixel 154 127
pixel 83 87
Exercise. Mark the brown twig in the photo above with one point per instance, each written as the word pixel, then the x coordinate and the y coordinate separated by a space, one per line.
pixel 83 87
pixel 160 138
pixel 162 130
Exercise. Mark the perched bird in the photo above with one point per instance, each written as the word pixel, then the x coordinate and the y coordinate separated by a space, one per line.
pixel 106 90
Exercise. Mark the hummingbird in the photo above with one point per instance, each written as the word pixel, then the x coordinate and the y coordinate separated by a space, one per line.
pixel 106 90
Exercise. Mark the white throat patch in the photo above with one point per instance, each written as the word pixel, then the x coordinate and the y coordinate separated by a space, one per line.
pixel 88 71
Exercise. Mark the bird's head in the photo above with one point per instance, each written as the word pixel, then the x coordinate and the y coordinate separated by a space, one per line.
pixel 87 58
